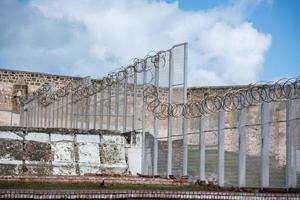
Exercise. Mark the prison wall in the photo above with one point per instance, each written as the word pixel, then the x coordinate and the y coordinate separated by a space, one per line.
pixel 14 84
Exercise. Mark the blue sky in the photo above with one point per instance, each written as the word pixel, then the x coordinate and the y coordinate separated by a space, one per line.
pixel 231 42
pixel 279 18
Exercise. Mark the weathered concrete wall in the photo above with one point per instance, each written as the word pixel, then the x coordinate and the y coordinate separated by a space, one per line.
pixel 62 152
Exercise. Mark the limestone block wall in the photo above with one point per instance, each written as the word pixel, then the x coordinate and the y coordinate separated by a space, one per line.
pixel 62 152
pixel 14 83
pixel 33 79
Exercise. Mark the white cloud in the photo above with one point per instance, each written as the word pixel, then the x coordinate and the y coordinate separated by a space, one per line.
pixel 93 37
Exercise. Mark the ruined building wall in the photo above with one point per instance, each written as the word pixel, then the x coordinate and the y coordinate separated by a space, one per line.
pixel 62 152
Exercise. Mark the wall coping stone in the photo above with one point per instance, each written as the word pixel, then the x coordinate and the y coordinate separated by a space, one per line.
pixel 39 73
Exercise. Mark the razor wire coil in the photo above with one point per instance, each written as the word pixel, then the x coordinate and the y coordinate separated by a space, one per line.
pixel 232 100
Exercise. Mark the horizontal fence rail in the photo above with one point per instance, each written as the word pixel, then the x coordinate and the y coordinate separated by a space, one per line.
pixel 248 137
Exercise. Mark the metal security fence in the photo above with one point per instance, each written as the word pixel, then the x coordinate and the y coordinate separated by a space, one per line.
pixel 248 137
pixel 124 100
pixel 244 138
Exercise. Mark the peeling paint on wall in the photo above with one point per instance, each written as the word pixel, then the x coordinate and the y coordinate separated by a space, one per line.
pixel 61 152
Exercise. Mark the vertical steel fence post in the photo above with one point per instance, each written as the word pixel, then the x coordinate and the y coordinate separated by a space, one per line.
pixel 291 139
pixel 37 110
pixel 170 119
pixel 49 115
pixel 40 111
pixel 21 116
pixel 62 110
pixel 72 112
pixel 221 148
pixel 87 112
pixel 52 91
pixel 144 123
pixel 45 116
pixel 29 114
pixel 109 108
pixel 101 107
pixel 134 102
pixel 95 110
pixel 117 106
pixel 57 113
pixel 242 147
pixel 27 111
pixel 38 116
pixel 264 145
pixel 82 113
pixel 155 145
pixel 42 120
pixel 202 148
pixel 26 115
pixel 33 110
pixel 53 113
pixel 125 104
pixel 11 118
pixel 77 106
pixel 34 113
pixel 67 112
pixel 185 120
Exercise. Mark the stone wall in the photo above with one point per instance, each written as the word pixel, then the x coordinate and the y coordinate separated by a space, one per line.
pixel 32 79
pixel 62 152
pixel 14 84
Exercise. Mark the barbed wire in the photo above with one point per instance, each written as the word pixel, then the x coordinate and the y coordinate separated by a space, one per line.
pixel 252 94
pixel 87 87
pixel 234 99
